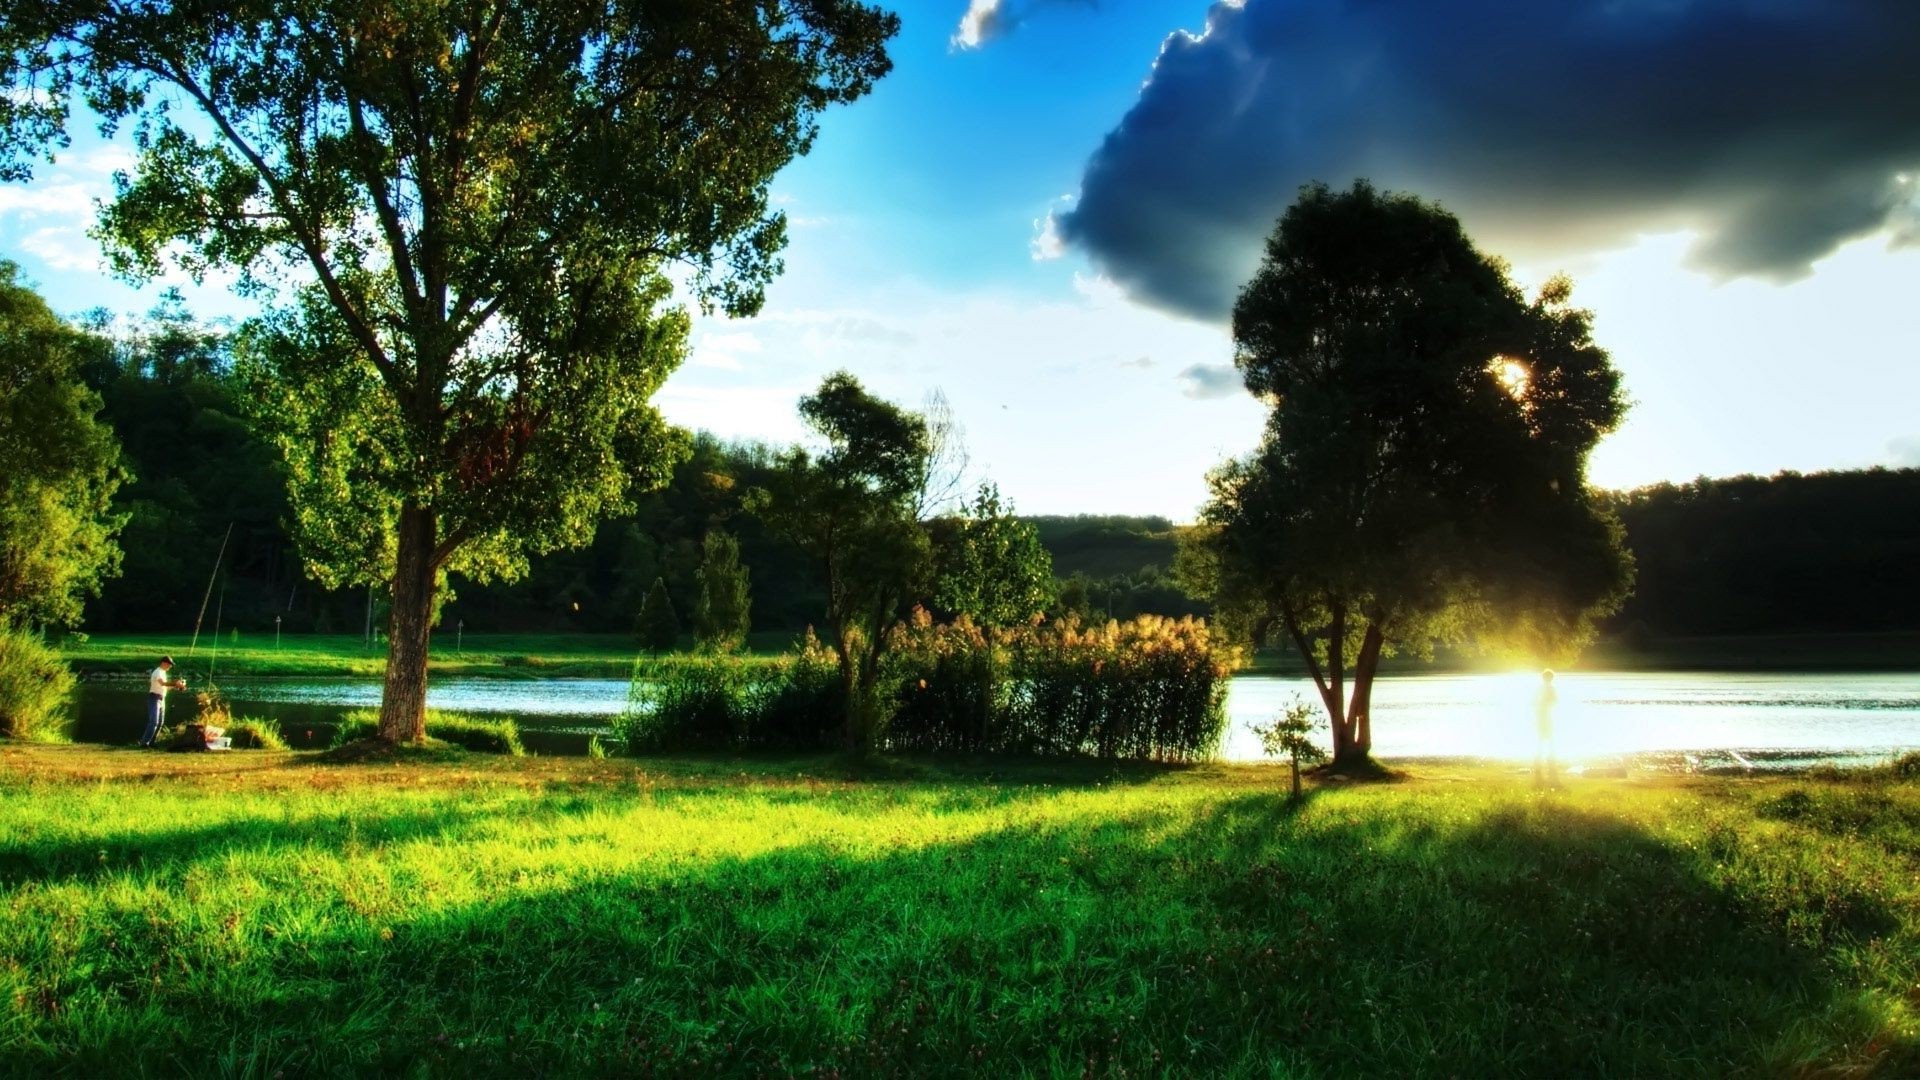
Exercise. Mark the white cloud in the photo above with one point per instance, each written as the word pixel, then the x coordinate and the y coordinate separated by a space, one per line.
pixel 984 21
pixel 64 247
pixel 55 199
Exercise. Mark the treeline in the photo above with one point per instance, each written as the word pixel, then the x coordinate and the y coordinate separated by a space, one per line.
pixel 1815 552
pixel 1818 552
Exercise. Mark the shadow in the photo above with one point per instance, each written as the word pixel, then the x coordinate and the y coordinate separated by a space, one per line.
pixel 1246 935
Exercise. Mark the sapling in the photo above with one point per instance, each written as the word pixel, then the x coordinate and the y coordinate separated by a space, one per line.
pixel 1290 734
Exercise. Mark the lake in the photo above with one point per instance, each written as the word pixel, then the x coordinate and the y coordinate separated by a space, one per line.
pixel 1667 719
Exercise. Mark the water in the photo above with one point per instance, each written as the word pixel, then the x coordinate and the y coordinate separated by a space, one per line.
pixel 1700 719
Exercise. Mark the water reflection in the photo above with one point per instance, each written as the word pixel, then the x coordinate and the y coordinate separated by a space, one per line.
pixel 1788 718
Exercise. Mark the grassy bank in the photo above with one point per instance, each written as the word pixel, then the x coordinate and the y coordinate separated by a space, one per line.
pixel 494 655
pixel 464 915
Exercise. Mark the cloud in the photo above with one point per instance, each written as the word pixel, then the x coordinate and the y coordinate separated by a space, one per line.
pixel 1772 130
pixel 1206 381
pixel 64 248
pixel 1905 452
pixel 986 20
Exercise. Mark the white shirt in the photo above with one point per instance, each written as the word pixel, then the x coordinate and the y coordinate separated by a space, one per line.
pixel 157 683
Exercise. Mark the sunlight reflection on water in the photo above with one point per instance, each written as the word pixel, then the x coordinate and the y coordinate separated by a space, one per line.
pixel 1788 718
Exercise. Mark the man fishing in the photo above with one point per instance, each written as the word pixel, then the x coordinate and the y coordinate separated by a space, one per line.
pixel 158 684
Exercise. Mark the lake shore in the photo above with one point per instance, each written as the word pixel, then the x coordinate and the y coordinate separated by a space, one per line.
pixel 543 656
pixel 460 913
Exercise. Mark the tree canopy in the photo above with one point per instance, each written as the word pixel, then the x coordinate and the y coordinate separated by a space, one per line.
pixel 1422 477
pixel 990 565
pixel 59 466
pixel 468 212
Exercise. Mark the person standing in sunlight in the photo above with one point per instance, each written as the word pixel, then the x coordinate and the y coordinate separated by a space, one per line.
pixel 1545 768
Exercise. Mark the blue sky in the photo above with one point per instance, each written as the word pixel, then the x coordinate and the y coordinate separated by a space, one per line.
pixel 1046 224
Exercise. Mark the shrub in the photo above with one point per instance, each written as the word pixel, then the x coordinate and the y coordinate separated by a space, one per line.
pixel 1906 766
pixel 1151 688
pixel 485 736
pixel 256 733
pixel 722 702
pixel 35 689
pixel 684 703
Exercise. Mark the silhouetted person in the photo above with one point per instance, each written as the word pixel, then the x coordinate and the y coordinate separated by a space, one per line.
pixel 1545 769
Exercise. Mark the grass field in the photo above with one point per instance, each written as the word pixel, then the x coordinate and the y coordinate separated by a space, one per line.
pixel 273 914
pixel 508 655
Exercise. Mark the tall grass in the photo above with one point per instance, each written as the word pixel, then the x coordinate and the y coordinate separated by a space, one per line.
pixel 485 916
pixel 1149 689
pixel 35 688
pixel 487 736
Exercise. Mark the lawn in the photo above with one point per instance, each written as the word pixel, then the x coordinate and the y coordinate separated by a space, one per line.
pixel 497 655
pixel 264 914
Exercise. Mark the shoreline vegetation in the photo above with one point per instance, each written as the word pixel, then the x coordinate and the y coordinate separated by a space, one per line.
pixel 541 656
pixel 453 912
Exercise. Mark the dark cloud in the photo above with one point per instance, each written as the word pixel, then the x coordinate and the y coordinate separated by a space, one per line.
pixel 1776 129
pixel 1204 381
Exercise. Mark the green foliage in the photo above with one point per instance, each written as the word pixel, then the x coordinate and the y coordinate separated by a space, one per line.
pixel 722 702
pixel 484 736
pixel 36 689
pixel 1290 735
pixel 658 626
pixel 855 510
pixel 59 466
pixel 722 605
pixel 256 733
pixel 1422 478
pixel 479 211
pixel 989 565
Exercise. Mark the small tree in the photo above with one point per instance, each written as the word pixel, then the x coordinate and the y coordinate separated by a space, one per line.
pixel 991 565
pixel 1291 736
pixel 721 605
pixel 659 627
pixel 855 509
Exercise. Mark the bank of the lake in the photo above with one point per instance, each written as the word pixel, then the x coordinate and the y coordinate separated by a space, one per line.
pixel 255 913
pixel 258 654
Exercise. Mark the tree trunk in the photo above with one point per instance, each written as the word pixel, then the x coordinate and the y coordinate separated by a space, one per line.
pixel 403 701
pixel 1361 711
pixel 1295 761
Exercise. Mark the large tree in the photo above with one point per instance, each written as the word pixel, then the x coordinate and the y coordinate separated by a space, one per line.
pixel 1422 478
pixel 475 203
pixel 722 606
pixel 59 466
pixel 855 508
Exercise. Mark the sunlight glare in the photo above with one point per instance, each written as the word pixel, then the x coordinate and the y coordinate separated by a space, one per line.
pixel 1513 376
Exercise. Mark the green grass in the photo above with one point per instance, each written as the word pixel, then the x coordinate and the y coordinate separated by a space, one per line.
pixel 496 655
pixel 453 914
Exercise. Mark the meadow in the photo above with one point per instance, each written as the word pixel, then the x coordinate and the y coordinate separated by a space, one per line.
pixel 443 913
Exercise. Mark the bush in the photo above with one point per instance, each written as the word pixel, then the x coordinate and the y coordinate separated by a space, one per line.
pixel 485 736
pixel 723 702
pixel 256 733
pixel 685 703
pixel 35 689
pixel 1151 688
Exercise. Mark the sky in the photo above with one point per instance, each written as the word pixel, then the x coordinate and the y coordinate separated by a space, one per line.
pixel 1046 210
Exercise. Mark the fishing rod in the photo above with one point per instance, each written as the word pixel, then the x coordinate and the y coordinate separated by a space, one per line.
pixel 198 619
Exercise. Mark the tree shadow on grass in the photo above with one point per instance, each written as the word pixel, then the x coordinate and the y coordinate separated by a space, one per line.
pixel 1254 936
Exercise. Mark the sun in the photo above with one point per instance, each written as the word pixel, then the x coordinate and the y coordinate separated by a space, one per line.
pixel 1514 376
